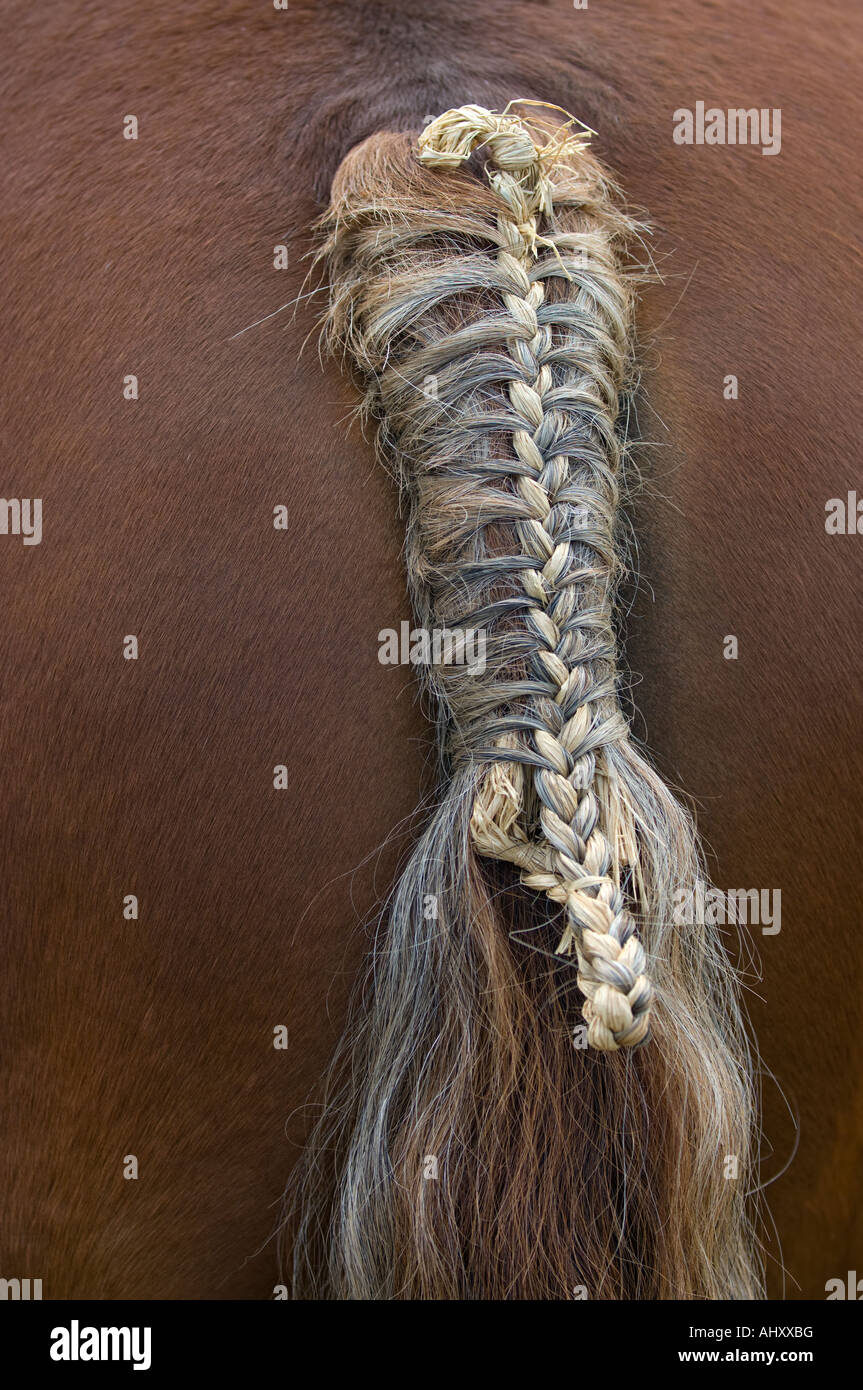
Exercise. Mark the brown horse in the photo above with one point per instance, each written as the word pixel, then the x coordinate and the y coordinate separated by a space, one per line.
pixel 173 914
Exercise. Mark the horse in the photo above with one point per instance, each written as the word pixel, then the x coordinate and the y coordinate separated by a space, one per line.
pixel 222 809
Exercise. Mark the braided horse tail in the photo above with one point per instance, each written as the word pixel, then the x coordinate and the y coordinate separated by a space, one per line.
pixel 477 1139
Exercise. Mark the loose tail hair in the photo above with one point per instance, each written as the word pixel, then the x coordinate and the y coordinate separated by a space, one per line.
pixel 477 1140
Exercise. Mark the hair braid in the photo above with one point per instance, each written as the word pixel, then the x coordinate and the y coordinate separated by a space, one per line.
pixel 558 411
pixel 487 312
pixel 568 594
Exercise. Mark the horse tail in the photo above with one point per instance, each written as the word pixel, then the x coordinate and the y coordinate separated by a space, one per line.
pixel 479 1139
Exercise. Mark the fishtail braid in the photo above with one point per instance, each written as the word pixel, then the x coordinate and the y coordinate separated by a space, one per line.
pixel 580 717
pixel 537 378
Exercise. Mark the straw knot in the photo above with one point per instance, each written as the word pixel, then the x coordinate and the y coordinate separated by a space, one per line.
pixel 522 168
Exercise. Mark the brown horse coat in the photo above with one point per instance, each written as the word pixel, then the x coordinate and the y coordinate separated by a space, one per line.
pixel 154 777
